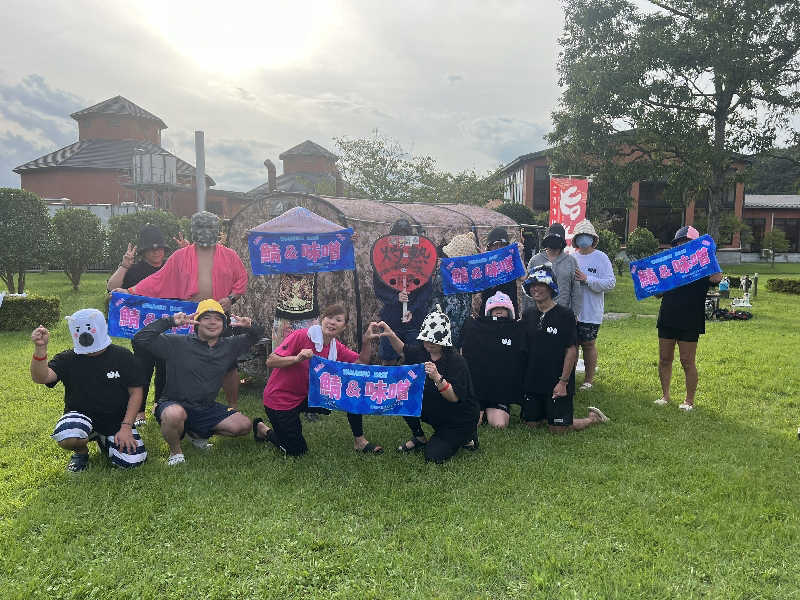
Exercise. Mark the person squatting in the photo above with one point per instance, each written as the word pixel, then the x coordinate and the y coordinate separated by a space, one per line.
pixel 505 359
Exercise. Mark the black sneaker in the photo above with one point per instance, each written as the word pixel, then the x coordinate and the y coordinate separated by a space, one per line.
pixel 78 462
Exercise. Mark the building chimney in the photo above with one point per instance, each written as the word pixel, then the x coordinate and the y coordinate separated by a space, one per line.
pixel 339 185
pixel 271 179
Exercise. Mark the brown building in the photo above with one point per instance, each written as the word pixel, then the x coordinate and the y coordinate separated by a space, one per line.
pixel 118 158
pixel 527 181
pixel 307 168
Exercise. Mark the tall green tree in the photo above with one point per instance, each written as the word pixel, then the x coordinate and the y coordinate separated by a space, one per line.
pixel 24 235
pixel 675 91
pixel 379 168
pixel 80 241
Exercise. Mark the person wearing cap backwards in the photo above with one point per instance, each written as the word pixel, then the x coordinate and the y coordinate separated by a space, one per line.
pixel 564 267
pixel 196 366
pixel 448 400
pixel 152 248
pixel 550 374
pixel 596 277
pixel 102 391
pixel 495 350
pixel 201 270
pixel 497 238
pixel 455 306
pixel 681 320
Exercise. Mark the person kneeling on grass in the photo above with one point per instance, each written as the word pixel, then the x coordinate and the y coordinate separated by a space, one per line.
pixel 196 366
pixel 550 376
pixel 448 400
pixel 102 391
pixel 495 350
pixel 286 392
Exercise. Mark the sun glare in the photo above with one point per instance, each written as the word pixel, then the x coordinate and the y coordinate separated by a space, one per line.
pixel 234 37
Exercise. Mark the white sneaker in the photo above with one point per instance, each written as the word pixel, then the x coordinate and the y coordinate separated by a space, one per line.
pixel 596 411
pixel 198 442
pixel 176 459
pixel 686 407
pixel 661 402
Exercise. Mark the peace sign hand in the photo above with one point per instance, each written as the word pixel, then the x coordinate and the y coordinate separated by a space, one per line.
pixel 129 256
pixel 182 319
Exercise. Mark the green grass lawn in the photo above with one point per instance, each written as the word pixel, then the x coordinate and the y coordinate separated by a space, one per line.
pixel 656 504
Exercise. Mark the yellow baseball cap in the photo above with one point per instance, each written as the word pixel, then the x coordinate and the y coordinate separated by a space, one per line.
pixel 209 305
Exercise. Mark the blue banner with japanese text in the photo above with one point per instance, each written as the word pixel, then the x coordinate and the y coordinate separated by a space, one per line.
pixel 366 389
pixel 127 313
pixel 273 253
pixel 481 271
pixel 674 267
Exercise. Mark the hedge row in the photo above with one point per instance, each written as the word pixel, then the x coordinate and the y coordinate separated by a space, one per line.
pixel 19 313
pixel 789 286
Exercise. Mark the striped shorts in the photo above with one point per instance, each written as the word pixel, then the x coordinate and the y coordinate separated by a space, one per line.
pixel 78 425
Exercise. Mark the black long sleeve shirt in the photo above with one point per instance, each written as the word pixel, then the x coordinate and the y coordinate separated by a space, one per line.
pixel 194 369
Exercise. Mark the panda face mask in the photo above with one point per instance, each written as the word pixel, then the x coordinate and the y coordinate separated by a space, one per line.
pixel 89 331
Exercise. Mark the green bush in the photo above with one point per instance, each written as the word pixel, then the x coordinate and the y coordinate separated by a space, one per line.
pixel 641 243
pixel 609 243
pixel 520 213
pixel 788 286
pixel 80 241
pixel 20 313
pixel 24 235
pixel 621 264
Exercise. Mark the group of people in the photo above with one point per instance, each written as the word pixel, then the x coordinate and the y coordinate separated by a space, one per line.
pixel 481 353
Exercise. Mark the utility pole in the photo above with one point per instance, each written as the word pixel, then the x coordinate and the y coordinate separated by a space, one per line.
pixel 200 171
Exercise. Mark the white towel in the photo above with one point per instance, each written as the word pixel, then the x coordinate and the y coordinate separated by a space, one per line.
pixel 315 335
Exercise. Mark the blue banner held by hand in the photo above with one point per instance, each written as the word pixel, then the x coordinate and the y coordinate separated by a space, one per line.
pixel 366 389
pixel 127 313
pixel 674 267
pixel 479 272
pixel 274 253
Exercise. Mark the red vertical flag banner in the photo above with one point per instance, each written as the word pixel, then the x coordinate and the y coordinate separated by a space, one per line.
pixel 568 202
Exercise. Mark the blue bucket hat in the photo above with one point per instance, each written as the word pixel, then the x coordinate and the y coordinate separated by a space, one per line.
pixel 541 274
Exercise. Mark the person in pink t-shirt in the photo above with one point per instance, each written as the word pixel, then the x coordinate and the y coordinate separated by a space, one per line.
pixel 286 392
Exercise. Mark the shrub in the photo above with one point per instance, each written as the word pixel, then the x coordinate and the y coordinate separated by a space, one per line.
pixel 80 241
pixel 519 212
pixel 124 229
pixel 24 235
pixel 788 286
pixel 641 243
pixel 622 266
pixel 609 243
pixel 28 312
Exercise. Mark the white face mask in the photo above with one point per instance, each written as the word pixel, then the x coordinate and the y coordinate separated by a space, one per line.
pixel 89 331
pixel 583 240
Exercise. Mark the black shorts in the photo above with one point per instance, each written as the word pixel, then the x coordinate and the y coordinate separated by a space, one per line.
pixel 200 420
pixel 557 411
pixel 587 331
pixel 682 335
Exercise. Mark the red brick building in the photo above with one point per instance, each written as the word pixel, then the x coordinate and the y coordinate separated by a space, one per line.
pixel 527 181
pixel 99 168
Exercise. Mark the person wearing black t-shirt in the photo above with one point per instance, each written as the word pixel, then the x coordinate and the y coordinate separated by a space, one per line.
pixel 128 274
pixel 681 320
pixel 448 401
pixel 102 391
pixel 551 332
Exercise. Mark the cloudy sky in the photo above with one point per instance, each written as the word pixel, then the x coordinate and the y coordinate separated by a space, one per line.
pixel 471 83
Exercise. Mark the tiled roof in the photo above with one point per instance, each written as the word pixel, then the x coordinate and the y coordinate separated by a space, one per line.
pixel 772 201
pixel 118 106
pixel 308 148
pixel 116 155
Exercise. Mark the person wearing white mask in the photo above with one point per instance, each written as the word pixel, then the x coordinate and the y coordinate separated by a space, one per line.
pixel 596 277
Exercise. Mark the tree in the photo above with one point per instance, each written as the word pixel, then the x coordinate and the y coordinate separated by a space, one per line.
pixel 775 241
pixel 379 168
pixel 519 212
pixel 608 243
pixel 675 93
pixel 641 243
pixel 124 229
pixel 24 235
pixel 775 172
pixel 728 226
pixel 80 240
